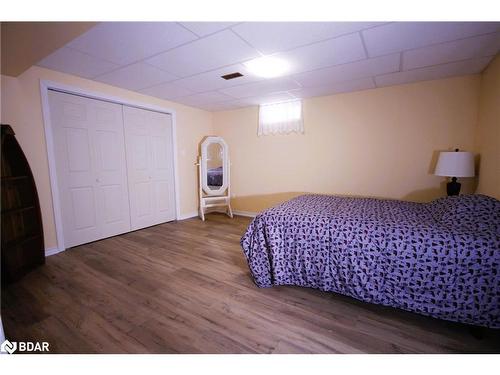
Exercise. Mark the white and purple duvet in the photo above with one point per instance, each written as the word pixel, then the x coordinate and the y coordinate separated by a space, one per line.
pixel 440 259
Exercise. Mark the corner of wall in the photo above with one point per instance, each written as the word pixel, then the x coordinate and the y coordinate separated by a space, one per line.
pixel 487 131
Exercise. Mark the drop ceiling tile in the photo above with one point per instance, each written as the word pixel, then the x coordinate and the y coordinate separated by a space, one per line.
pixel 206 28
pixel 270 98
pixel 166 91
pixel 336 51
pixel 212 80
pixel 464 67
pixel 349 71
pixel 336 88
pixel 205 98
pixel 127 42
pixel 401 36
pixel 270 37
pixel 211 52
pixel 261 88
pixel 463 49
pixel 224 106
pixel 70 61
pixel 136 76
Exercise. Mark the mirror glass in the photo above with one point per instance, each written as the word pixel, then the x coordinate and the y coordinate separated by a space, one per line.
pixel 215 169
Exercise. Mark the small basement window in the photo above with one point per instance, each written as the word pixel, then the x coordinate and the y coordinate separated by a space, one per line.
pixel 281 118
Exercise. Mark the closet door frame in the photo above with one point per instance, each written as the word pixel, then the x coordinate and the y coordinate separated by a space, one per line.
pixel 45 86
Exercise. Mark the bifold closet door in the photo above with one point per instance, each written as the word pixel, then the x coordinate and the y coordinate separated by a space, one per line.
pixel 91 167
pixel 149 150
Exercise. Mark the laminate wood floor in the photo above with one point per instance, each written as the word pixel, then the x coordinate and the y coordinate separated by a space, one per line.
pixel 185 287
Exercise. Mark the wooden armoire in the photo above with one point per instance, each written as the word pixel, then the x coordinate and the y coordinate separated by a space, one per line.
pixel 21 221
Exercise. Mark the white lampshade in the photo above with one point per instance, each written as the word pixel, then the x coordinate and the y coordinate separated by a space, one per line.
pixel 455 164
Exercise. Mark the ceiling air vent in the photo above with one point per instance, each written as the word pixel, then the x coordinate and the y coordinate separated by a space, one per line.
pixel 232 76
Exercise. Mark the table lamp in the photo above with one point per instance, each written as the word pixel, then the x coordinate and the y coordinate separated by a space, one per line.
pixel 455 164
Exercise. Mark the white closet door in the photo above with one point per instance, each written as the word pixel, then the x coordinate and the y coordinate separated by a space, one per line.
pixel 149 149
pixel 91 167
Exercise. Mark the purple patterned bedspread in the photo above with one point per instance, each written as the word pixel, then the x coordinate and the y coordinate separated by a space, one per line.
pixel 440 259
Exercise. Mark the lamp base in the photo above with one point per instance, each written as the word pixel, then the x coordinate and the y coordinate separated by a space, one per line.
pixel 453 187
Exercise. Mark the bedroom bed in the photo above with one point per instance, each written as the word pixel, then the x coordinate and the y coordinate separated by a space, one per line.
pixel 440 259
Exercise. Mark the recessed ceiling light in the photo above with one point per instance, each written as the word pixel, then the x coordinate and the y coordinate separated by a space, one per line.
pixel 267 66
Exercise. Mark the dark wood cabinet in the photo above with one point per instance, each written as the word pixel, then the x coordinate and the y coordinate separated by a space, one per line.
pixel 22 232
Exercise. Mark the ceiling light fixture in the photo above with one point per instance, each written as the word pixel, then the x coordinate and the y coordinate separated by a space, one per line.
pixel 267 67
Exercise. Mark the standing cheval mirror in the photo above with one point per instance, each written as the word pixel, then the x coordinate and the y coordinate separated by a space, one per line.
pixel 213 168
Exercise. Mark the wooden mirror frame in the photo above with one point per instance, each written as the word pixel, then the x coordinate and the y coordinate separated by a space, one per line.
pixel 225 165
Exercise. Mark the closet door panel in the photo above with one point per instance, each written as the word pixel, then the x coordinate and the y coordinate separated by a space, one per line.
pixel 90 166
pixel 148 138
pixel 143 200
pixel 74 167
pixel 83 203
pixel 111 169
pixel 138 150
pixel 77 149
pixel 113 207
pixel 79 182
pixel 163 167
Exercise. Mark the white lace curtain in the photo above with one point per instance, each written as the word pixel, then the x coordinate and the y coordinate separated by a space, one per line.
pixel 281 118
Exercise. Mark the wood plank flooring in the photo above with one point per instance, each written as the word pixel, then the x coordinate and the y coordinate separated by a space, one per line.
pixel 185 287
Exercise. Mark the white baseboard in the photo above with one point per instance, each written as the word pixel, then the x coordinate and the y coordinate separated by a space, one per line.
pixel 245 213
pixel 188 215
pixel 52 251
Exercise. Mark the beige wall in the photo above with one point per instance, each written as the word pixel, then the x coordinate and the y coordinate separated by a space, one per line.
pixel 380 143
pixel 21 108
pixel 488 131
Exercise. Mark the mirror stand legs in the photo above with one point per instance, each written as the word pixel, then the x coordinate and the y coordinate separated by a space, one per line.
pixel 215 202
pixel 229 211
